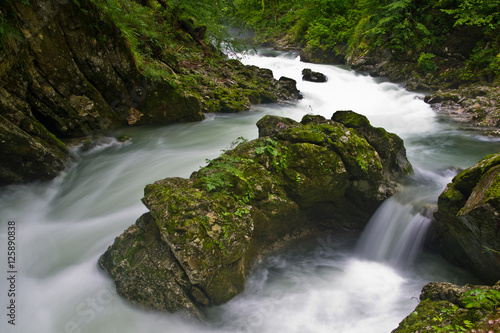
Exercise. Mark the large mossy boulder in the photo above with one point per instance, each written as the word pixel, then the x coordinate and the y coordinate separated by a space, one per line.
pixel 466 230
pixel 445 307
pixel 202 234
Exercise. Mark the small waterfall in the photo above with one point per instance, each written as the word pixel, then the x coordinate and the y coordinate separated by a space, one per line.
pixel 395 232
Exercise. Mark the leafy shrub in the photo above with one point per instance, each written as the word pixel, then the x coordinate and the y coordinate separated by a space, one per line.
pixel 426 64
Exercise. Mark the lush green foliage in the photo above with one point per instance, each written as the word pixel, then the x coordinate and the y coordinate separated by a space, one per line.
pixel 208 13
pixel 156 30
pixel 477 298
pixel 318 24
pixel 411 30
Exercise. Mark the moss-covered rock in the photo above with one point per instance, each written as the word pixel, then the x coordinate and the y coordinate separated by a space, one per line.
pixel 140 261
pixel 294 180
pixel 389 146
pixel 28 157
pixel 445 307
pixel 466 227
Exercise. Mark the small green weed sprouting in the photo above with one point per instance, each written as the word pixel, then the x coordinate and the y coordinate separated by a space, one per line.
pixel 362 163
pixel 239 140
pixel 270 148
pixel 241 211
pixel 298 179
pixel 218 173
pixel 278 160
pixel 477 298
pixel 457 328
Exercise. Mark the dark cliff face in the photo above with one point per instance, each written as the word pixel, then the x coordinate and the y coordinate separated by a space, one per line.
pixel 72 75
pixel 70 71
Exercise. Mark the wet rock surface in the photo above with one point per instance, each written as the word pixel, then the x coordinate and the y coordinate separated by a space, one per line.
pixel 74 74
pixel 467 226
pixel 310 75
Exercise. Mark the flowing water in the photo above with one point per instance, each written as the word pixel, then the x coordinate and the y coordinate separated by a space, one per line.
pixel 328 284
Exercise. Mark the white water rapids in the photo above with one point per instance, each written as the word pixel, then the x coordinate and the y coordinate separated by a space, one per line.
pixel 329 284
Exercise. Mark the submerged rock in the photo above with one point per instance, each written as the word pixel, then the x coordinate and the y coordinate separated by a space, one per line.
pixel 467 224
pixel 310 75
pixel 445 307
pixel 202 235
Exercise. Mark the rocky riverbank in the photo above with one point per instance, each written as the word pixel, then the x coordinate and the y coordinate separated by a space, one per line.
pixel 441 72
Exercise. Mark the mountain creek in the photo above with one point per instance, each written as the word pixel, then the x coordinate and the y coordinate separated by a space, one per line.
pixel 338 282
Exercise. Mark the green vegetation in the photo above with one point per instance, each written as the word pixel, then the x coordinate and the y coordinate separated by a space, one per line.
pixel 472 310
pixel 182 43
pixel 448 38
pixel 277 157
pixel 485 299
pixel 482 300
pixel 221 173
pixel 179 41
pixel 440 320
pixel 157 32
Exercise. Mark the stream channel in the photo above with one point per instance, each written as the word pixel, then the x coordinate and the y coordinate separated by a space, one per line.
pixel 333 283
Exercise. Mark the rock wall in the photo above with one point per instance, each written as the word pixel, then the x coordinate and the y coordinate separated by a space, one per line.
pixel 73 73
pixel 202 234
pixel 475 104
pixel 467 224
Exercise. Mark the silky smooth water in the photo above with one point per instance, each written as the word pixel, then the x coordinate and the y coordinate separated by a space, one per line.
pixel 327 284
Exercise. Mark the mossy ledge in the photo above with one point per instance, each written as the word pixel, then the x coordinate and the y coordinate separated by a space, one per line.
pixel 199 240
